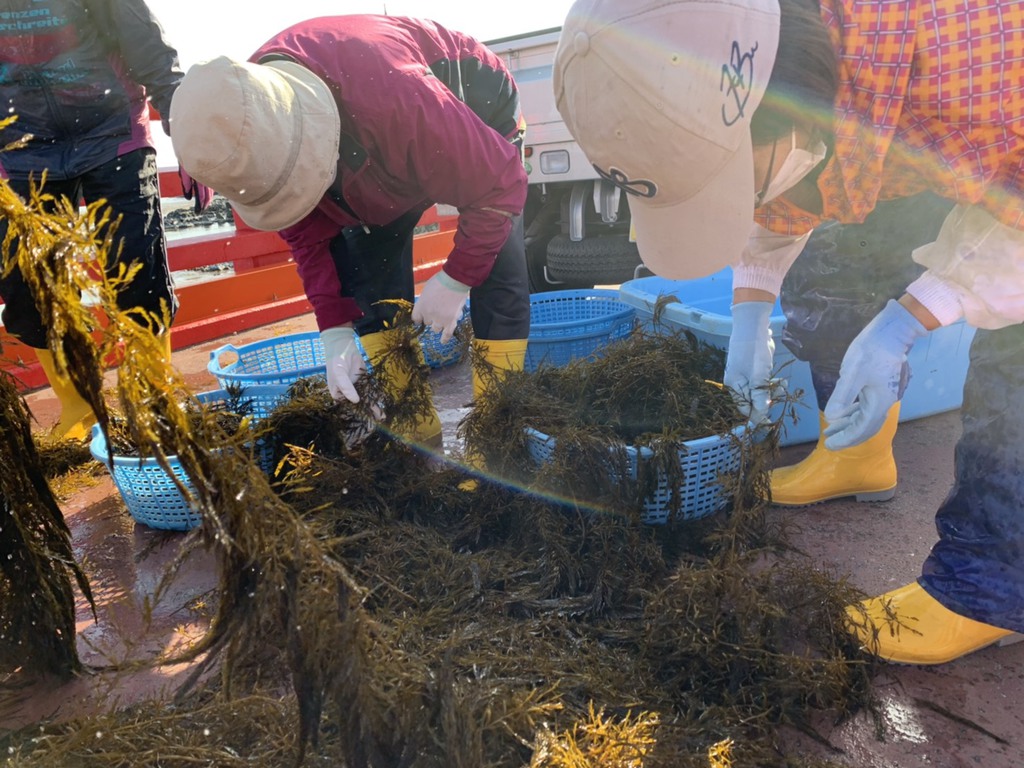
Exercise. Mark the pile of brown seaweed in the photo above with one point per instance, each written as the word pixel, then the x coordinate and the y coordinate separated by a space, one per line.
pixel 375 610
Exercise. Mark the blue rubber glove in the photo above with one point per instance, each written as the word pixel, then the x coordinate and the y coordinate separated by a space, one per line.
pixel 440 304
pixel 345 363
pixel 748 364
pixel 869 377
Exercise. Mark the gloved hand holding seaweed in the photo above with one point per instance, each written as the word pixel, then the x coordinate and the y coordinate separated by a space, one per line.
pixel 871 377
pixel 440 305
pixel 748 364
pixel 345 362
pixel 200 194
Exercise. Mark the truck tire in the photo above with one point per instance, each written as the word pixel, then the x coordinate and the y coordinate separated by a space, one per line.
pixel 593 261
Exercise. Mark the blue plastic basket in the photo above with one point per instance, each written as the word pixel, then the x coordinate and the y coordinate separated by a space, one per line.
pixel 149 493
pixel 281 360
pixel 285 359
pixel 703 463
pixel 573 325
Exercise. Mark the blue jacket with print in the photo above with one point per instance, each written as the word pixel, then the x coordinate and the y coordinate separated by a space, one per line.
pixel 77 74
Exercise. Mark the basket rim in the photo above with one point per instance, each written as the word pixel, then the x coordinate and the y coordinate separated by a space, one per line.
pixel 644 453
pixel 216 369
pixel 623 313
pixel 99 450
pixel 98 441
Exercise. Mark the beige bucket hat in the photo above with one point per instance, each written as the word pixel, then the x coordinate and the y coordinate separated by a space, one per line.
pixel 265 136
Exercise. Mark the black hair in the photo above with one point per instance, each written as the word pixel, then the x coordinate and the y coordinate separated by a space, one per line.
pixel 802 88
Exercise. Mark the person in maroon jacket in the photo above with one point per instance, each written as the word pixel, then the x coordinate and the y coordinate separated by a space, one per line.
pixel 338 133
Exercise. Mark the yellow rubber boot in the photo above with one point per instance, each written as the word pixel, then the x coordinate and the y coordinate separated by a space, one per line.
pixel 499 358
pixel 909 626
pixel 427 430
pixel 866 471
pixel 76 416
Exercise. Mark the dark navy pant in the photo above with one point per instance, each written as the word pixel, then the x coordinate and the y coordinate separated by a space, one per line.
pixel 977 567
pixel 845 275
pixel 377 264
pixel 130 185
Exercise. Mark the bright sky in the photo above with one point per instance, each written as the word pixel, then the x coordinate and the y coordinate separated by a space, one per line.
pixel 202 29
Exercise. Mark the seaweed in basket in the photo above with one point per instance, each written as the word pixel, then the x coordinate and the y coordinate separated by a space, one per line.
pixel 650 391
pixel 230 417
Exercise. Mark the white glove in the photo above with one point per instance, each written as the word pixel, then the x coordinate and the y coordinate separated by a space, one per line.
pixel 345 363
pixel 870 376
pixel 748 363
pixel 440 304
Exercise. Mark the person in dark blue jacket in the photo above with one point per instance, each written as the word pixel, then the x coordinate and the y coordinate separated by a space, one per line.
pixel 79 75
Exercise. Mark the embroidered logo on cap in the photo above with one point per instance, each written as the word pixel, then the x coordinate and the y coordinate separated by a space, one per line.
pixel 737 79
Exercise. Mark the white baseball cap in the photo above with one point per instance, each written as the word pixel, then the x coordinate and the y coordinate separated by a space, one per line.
pixel 265 136
pixel 659 95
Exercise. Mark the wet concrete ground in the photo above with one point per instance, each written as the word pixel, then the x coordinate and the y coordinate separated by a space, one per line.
pixel 962 714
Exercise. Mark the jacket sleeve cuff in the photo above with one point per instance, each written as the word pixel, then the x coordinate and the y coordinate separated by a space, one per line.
pixel 938 297
pixel 759 276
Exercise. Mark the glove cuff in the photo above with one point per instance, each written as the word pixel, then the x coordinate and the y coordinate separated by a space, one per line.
pixel 338 334
pixel 904 325
pixel 753 312
pixel 451 283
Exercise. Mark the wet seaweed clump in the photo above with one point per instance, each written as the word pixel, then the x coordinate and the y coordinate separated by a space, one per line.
pixel 38 571
pixel 651 393
pixel 232 416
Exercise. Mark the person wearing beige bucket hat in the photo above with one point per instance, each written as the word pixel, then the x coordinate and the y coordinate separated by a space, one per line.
pixel 339 132
pixel 739 128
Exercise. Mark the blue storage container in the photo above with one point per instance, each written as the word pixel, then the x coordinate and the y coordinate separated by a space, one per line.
pixel 938 362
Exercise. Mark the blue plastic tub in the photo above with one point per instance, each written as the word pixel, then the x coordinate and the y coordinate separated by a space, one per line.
pixel 149 493
pixel 938 362
pixel 573 325
pixel 703 463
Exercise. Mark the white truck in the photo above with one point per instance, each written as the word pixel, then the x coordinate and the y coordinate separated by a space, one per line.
pixel 577 224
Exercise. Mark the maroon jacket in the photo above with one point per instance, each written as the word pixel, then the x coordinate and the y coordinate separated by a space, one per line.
pixel 427 115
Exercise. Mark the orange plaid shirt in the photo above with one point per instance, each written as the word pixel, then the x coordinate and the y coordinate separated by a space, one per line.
pixel 931 97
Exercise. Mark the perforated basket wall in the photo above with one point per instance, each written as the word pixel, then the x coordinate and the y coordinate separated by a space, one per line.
pixel 703 462
pixel 285 359
pixel 571 325
pixel 149 493
pixel 280 360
